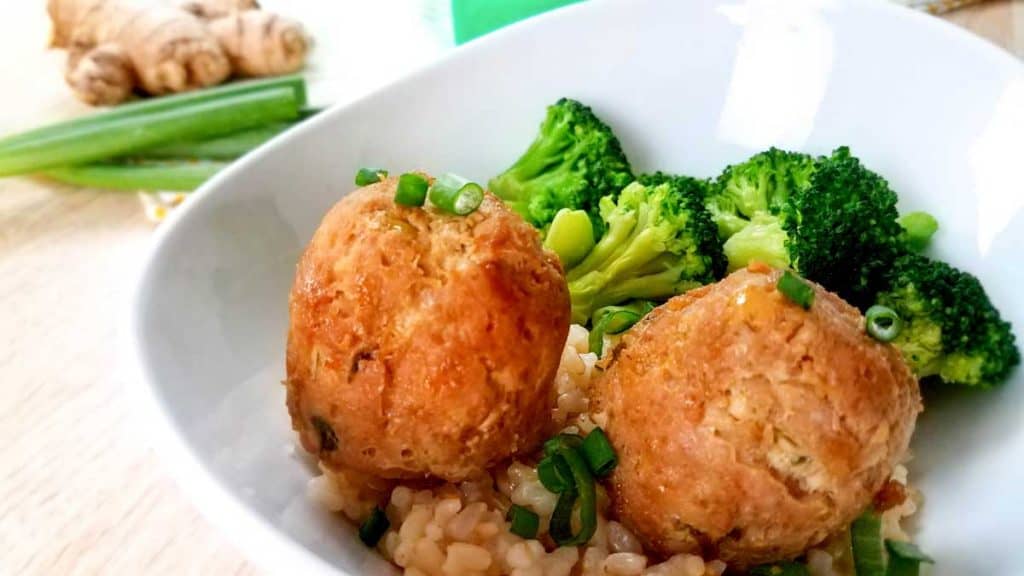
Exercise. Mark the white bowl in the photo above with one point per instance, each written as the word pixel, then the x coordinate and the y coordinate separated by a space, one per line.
pixel 689 87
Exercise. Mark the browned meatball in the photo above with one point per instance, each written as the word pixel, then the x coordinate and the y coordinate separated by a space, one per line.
pixel 749 428
pixel 423 344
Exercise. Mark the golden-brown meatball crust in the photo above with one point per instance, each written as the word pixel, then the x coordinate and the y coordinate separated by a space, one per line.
pixel 421 343
pixel 748 427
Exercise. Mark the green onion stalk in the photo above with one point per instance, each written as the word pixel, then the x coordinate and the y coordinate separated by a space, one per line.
pixel 170 176
pixel 146 108
pixel 121 136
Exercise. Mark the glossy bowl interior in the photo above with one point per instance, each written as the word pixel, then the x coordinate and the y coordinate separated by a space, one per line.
pixel 689 87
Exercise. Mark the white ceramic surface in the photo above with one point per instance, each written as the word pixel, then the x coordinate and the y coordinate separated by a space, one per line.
pixel 689 87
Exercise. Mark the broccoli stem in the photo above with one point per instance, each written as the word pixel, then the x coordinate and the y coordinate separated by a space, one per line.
pixel 571 236
pixel 613 241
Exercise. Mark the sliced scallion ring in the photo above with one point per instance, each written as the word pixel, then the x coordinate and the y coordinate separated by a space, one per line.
pixel 525 522
pixel 615 320
pixel 412 189
pixel 566 446
pixel 371 530
pixel 560 528
pixel 866 537
pixel 554 474
pixel 905 558
pixel 883 323
pixel 796 289
pixel 367 176
pixel 599 454
pixel 456 195
pixel 562 440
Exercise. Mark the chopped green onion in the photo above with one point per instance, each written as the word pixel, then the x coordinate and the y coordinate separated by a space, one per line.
pixel 905 558
pixel 121 136
pixel 783 569
pixel 615 320
pixel 135 176
pixel 374 527
pixel 525 522
pixel 598 452
pixel 571 236
pixel 907 550
pixel 367 176
pixel 918 229
pixel 412 189
pixel 456 195
pixel 562 440
pixel 796 289
pixel 566 446
pixel 641 307
pixel 866 537
pixel 883 323
pixel 560 527
pixel 554 474
pixel 149 106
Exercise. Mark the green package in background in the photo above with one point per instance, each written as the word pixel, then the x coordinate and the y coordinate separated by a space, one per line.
pixel 473 18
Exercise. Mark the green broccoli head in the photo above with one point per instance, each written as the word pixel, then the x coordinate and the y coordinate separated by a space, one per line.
pixel 659 242
pixel 761 185
pixel 692 192
pixel 842 229
pixel 950 328
pixel 574 161
pixel 761 239
pixel 829 218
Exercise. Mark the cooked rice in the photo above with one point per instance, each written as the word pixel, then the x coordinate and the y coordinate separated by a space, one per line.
pixel 455 530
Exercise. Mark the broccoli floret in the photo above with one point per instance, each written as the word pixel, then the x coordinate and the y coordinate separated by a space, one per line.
pixel 693 191
pixel 761 239
pixel 842 228
pixel 830 219
pixel 660 241
pixel 950 328
pixel 760 185
pixel 574 161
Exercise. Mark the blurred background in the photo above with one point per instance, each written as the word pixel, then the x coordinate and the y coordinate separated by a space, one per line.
pixel 81 491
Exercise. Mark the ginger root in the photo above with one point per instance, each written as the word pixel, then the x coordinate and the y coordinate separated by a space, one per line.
pixel 117 47
pixel 259 43
pixel 210 9
pixel 100 76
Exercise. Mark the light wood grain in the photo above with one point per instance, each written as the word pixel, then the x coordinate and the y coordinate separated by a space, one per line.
pixel 81 491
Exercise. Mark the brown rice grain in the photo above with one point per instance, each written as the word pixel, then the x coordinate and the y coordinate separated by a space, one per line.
pixel 465 558
pixel 625 564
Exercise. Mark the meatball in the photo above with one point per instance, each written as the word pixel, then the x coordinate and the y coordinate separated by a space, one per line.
pixel 423 344
pixel 748 427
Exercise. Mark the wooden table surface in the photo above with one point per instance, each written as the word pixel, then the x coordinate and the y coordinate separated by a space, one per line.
pixel 81 491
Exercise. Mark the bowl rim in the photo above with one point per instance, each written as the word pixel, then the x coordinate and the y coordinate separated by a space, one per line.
pixel 255 537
